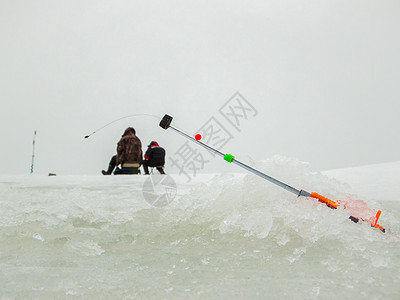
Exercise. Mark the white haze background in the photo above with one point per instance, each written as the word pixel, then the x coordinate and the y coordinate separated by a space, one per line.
pixel 323 75
pixel 324 78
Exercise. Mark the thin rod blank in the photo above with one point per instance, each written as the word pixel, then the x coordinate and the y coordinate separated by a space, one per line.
pixel 244 166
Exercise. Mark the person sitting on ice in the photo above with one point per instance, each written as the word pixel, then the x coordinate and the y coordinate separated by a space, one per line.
pixel 129 149
pixel 154 157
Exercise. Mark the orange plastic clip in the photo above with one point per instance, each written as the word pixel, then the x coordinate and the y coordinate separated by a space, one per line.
pixel 375 224
pixel 325 200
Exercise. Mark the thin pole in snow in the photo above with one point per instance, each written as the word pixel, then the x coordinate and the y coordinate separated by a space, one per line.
pixel 33 150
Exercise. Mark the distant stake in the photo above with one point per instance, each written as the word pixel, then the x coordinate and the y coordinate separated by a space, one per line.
pixel 165 123
pixel 33 150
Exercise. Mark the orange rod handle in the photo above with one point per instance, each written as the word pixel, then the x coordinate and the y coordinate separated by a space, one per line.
pixel 325 200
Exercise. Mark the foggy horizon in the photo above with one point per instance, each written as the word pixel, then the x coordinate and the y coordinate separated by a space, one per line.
pixel 321 78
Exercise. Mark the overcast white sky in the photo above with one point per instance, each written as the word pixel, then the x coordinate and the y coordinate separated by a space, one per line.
pixel 324 77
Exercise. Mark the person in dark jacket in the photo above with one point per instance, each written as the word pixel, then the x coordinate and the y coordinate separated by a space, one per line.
pixel 154 157
pixel 129 148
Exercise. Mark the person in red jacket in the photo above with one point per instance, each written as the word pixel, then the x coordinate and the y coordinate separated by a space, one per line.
pixel 129 148
pixel 154 157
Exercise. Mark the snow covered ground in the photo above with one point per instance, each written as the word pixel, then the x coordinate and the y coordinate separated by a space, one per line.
pixel 218 236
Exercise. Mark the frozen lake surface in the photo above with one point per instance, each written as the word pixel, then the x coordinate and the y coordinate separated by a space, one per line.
pixel 221 236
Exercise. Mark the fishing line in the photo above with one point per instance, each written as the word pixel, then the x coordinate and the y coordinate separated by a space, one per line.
pixel 130 116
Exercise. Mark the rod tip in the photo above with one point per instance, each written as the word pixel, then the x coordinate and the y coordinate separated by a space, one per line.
pixel 165 122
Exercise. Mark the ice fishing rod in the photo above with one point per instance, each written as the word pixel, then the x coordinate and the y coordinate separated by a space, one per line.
pixel 33 150
pixel 130 116
pixel 165 123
